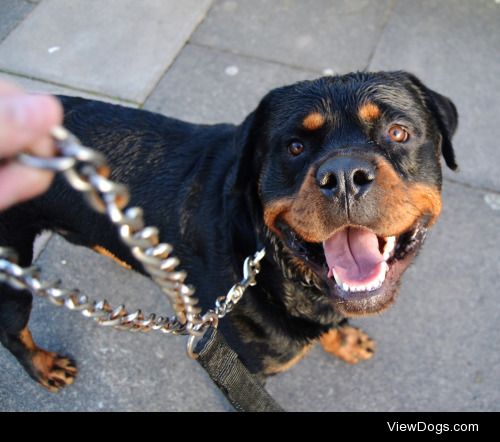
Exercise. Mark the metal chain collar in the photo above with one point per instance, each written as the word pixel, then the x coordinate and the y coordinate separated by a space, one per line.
pixel 87 171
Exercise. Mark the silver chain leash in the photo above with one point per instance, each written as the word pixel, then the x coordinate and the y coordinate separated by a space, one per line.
pixel 87 171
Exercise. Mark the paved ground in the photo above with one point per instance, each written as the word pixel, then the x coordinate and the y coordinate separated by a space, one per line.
pixel 210 61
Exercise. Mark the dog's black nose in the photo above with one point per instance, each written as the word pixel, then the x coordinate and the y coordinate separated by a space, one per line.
pixel 352 176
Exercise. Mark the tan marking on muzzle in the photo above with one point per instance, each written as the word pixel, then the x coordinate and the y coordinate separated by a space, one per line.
pixel 402 204
pixel 300 212
pixel 399 206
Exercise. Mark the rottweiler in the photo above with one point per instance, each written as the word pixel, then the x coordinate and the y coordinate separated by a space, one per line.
pixel 338 178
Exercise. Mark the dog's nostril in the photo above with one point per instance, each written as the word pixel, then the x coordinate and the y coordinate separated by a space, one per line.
pixel 362 178
pixel 328 181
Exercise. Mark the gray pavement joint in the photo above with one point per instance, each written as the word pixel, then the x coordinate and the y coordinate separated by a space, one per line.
pixel 385 23
pixel 66 86
pixel 471 186
pixel 253 57
pixel 14 13
pixel 174 59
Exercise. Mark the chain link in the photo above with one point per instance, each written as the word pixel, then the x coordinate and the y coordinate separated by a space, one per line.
pixel 87 171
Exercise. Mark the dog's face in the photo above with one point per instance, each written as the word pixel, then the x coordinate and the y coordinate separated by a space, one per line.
pixel 349 180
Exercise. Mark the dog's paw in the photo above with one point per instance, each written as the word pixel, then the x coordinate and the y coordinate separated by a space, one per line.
pixel 348 343
pixel 52 370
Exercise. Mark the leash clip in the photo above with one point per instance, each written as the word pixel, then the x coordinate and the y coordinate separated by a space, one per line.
pixel 208 320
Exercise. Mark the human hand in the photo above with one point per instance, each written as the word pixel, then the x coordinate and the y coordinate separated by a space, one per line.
pixel 25 125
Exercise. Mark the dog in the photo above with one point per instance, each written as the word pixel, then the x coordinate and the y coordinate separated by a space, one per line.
pixel 338 178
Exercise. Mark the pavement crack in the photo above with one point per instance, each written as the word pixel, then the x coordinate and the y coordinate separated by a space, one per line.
pixel 389 13
pixel 472 186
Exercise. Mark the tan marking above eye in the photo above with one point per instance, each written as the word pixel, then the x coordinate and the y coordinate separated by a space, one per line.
pixel 369 112
pixel 398 133
pixel 313 121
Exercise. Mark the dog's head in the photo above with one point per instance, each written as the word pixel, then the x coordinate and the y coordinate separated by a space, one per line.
pixel 347 180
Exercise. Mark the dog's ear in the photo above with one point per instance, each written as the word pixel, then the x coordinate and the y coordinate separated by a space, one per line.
pixel 248 151
pixel 248 143
pixel 446 116
pixel 245 148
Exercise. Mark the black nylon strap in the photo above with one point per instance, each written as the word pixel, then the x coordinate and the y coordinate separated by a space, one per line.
pixel 240 387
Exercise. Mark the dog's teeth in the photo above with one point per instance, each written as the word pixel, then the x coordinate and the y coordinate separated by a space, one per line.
pixel 386 269
pixel 337 278
pixel 374 285
pixel 390 243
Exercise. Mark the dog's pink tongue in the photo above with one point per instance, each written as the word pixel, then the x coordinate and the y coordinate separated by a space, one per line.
pixel 353 253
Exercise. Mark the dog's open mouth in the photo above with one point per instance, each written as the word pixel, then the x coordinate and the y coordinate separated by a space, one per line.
pixel 361 269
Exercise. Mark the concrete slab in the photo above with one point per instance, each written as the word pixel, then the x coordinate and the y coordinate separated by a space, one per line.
pixel 119 48
pixel 450 45
pixel 313 34
pixel 37 86
pixel 210 86
pixel 439 345
pixel 12 12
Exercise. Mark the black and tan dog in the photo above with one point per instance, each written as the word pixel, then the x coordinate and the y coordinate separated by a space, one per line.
pixel 339 178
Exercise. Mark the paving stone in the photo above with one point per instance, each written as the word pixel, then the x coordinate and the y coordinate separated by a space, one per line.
pixel 210 86
pixel 119 48
pixel 453 47
pixel 11 14
pixel 439 345
pixel 313 34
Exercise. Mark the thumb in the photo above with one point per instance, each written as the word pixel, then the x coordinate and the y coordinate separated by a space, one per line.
pixel 24 119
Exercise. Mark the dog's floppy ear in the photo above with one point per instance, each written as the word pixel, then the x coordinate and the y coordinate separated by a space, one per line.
pixel 245 149
pixel 249 136
pixel 248 150
pixel 447 122
pixel 446 116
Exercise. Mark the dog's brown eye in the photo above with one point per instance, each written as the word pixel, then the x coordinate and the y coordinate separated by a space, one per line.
pixel 295 148
pixel 398 134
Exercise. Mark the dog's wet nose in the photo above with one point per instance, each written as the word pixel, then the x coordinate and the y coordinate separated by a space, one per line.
pixel 352 176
